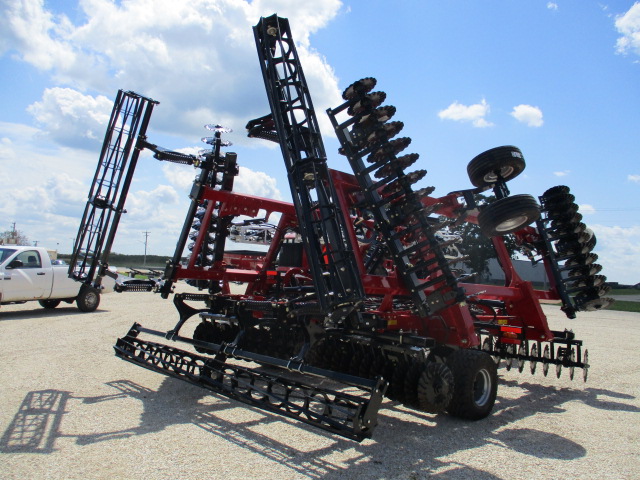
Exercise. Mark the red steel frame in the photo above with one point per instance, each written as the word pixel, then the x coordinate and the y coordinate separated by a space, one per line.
pixel 521 319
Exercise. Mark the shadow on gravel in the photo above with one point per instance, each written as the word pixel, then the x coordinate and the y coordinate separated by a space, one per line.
pixel 405 441
pixel 36 425
pixel 44 313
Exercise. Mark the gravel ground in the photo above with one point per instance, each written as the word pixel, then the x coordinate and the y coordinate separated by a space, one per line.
pixel 69 409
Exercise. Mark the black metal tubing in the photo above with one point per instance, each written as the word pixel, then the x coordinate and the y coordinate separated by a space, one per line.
pixel 552 267
pixel 386 220
pixel 322 225
pixel 118 159
pixel 207 178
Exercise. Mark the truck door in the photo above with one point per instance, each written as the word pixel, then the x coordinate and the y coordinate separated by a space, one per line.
pixel 28 281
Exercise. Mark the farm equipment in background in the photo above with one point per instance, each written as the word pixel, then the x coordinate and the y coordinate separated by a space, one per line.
pixel 358 284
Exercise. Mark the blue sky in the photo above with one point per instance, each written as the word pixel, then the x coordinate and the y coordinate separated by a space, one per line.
pixel 559 79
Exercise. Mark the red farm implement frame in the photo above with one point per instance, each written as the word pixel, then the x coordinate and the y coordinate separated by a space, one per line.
pixel 358 284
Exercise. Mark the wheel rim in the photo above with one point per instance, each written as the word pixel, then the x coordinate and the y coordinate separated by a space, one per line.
pixel 482 388
pixel 505 173
pixel 91 299
pixel 512 223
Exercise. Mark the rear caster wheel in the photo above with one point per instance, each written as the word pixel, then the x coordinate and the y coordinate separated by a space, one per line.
pixel 507 215
pixel 500 162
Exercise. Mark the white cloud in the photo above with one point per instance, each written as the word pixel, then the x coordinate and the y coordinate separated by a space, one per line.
pixel 618 249
pixel 528 114
pixel 180 176
pixel 564 173
pixel 634 178
pixel 587 209
pixel 256 183
pixel 143 205
pixel 552 6
pixel 628 25
pixel 475 113
pixel 47 195
pixel 71 118
pixel 248 181
pixel 197 57
pixel 45 186
pixel 39 37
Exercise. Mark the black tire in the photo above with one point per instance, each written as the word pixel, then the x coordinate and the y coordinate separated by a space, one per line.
pixel 507 215
pixel 49 303
pixel 506 161
pixel 88 299
pixel 476 384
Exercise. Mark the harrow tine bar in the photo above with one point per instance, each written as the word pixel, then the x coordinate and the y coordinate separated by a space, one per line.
pixel 560 352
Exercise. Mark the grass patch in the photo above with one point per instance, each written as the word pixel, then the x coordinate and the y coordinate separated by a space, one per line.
pixel 624 291
pixel 623 306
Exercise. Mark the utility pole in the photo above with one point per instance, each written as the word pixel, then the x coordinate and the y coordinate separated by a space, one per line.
pixel 146 239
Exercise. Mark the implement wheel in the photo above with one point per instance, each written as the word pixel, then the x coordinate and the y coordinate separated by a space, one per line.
pixel 507 215
pixel 500 162
pixel 476 384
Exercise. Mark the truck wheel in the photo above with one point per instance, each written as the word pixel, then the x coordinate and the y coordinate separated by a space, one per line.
pixel 507 215
pixel 476 384
pixel 88 299
pixel 49 303
pixel 507 162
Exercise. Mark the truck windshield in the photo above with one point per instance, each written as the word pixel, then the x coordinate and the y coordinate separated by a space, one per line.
pixel 6 253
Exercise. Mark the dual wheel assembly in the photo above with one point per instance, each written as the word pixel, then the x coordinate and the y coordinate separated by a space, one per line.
pixel 508 214
pixel 464 384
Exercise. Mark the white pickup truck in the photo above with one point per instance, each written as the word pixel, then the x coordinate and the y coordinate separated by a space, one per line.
pixel 27 274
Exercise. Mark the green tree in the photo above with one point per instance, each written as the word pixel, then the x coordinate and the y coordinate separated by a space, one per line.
pixel 14 237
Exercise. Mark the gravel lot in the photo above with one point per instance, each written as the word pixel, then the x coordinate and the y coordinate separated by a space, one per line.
pixel 69 409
